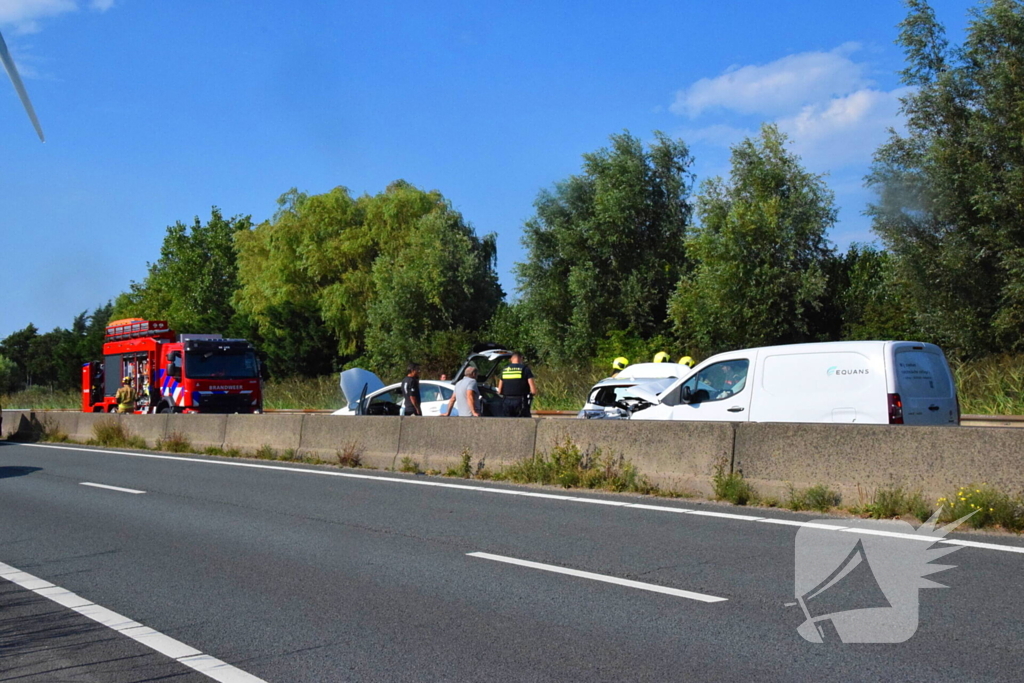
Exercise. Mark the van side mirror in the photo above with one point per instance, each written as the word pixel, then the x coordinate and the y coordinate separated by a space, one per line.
pixel 686 395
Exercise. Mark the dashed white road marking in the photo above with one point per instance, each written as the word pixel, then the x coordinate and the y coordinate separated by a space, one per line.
pixel 700 597
pixel 165 645
pixel 838 526
pixel 112 488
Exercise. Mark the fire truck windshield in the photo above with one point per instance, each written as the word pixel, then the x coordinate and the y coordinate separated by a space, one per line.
pixel 221 365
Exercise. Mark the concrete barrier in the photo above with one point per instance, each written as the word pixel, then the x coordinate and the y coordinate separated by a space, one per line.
pixel 374 439
pixel 202 431
pixel 857 459
pixel 674 455
pixel 252 432
pixel 87 422
pixel 54 421
pixel 152 428
pixel 438 443
pixel 17 425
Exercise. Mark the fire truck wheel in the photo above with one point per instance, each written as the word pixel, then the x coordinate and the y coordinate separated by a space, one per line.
pixel 164 408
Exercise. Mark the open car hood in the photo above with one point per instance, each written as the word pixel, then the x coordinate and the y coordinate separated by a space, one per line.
pixel 358 383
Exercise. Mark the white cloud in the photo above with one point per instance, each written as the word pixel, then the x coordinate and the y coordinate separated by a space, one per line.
pixel 834 115
pixel 25 15
pixel 844 130
pixel 777 87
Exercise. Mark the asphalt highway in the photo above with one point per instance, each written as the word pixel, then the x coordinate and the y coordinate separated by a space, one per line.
pixel 297 573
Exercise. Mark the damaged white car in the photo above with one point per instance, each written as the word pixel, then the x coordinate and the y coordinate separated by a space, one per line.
pixel 366 394
pixel 613 399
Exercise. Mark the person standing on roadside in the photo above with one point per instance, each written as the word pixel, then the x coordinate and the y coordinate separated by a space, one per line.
pixel 466 398
pixel 411 391
pixel 517 387
pixel 125 397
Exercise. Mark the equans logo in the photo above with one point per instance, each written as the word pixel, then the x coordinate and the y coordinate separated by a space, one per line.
pixel 835 371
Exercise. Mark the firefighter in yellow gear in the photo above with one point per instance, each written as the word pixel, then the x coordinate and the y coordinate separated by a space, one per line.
pixel 687 361
pixel 618 365
pixel 125 397
pixel 661 357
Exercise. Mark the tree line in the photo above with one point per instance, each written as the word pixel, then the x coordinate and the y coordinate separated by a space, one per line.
pixel 631 255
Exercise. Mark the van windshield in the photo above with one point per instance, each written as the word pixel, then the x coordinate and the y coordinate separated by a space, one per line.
pixel 921 374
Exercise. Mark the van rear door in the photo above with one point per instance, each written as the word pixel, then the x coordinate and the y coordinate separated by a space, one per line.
pixel 924 383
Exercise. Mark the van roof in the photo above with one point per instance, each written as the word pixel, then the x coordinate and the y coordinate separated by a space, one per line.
pixel 821 347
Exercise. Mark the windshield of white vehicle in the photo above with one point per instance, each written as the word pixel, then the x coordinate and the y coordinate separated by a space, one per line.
pixel 221 365
pixel 716 382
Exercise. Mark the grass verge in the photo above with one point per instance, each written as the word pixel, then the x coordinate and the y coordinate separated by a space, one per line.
pixel 731 486
pixel 112 433
pixel 175 442
pixel 568 466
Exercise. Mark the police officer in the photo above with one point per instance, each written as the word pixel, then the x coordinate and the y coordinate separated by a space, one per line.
pixel 618 365
pixel 517 387
pixel 125 397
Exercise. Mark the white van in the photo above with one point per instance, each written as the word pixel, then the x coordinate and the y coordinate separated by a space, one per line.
pixel 866 382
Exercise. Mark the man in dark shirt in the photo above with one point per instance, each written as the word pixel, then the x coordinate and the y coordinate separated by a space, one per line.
pixel 517 387
pixel 411 391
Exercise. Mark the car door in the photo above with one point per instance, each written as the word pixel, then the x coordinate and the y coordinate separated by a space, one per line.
pixel 433 399
pixel 719 392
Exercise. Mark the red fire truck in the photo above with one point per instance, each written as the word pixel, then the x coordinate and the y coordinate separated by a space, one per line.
pixel 191 373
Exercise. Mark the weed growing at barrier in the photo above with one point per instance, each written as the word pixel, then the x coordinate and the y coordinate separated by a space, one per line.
pixel 570 467
pixel 891 502
pixel 265 452
pixel 465 467
pixel 820 498
pixel 991 507
pixel 351 455
pixel 175 442
pixel 52 432
pixel 731 486
pixel 113 434
pixel 409 465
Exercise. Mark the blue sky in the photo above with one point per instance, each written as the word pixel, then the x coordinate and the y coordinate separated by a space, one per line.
pixel 154 112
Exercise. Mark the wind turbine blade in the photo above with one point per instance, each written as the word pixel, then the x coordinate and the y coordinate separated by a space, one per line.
pixel 12 71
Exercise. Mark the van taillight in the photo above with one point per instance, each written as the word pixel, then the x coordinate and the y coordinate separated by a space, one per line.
pixel 895 409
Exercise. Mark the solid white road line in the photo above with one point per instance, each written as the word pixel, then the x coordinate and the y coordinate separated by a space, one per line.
pixel 165 645
pixel 600 577
pixel 112 488
pixel 529 494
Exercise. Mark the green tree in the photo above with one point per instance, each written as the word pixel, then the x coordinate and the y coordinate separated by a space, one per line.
pixel 192 284
pixel 950 189
pixel 328 272
pixel 438 290
pixel 606 247
pixel 17 347
pixel 760 251
pixel 8 371
pixel 873 301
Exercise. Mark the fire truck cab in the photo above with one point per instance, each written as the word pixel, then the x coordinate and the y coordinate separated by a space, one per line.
pixel 193 373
